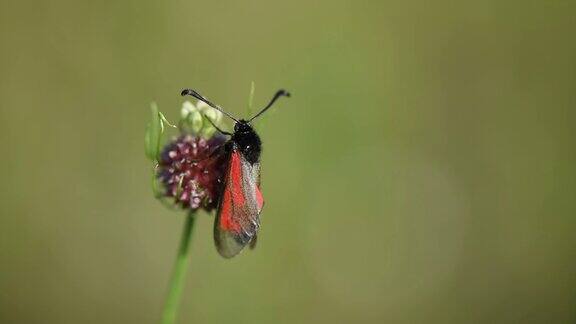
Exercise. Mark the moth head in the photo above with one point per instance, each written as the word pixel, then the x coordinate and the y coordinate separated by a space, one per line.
pixel 242 126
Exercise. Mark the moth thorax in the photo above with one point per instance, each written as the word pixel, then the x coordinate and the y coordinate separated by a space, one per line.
pixel 248 143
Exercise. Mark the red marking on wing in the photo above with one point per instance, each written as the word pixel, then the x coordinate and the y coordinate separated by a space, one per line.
pixel 259 199
pixel 236 176
pixel 233 196
pixel 226 213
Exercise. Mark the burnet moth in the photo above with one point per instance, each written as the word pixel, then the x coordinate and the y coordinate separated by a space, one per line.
pixel 238 215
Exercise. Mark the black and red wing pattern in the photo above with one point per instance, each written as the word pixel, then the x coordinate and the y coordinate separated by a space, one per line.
pixel 237 220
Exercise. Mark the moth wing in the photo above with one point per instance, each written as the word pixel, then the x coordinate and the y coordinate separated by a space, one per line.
pixel 237 220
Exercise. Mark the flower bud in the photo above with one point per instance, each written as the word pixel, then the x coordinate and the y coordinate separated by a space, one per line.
pixel 214 115
pixel 191 117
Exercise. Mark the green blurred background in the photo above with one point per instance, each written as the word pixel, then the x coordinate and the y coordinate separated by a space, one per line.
pixel 422 172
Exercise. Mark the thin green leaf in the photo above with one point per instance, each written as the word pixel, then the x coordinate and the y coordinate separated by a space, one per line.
pixel 153 134
pixel 164 120
pixel 155 189
pixel 147 143
pixel 251 98
pixel 154 131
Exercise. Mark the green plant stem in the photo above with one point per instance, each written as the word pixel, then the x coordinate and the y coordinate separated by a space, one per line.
pixel 180 267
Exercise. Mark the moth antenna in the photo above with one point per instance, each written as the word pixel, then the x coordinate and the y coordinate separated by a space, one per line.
pixel 190 92
pixel 278 94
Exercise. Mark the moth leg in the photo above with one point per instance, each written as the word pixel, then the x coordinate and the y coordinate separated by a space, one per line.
pixel 212 154
pixel 217 128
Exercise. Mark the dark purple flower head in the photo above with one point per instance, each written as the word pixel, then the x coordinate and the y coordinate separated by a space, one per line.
pixel 190 172
pixel 189 169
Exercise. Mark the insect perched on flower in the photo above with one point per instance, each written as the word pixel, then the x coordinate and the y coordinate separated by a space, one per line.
pixel 240 199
